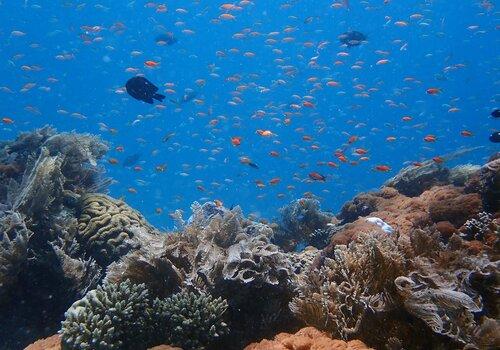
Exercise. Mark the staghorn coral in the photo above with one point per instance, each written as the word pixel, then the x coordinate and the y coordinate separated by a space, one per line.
pixel 113 316
pixel 445 311
pixel 308 338
pixel 104 227
pixel 356 281
pixel 302 221
pixel 195 320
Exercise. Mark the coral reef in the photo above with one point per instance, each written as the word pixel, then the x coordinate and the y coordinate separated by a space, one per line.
pixel 195 320
pixel 50 343
pixel 308 338
pixel 412 265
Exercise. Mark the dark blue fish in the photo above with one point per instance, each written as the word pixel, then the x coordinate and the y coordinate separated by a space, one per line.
pixel 352 38
pixel 143 90
pixel 166 39
pixel 495 137
pixel 496 113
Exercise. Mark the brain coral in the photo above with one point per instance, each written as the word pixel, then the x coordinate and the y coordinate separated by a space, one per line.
pixel 104 227
pixel 113 316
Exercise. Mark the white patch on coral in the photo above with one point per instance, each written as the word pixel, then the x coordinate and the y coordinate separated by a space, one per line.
pixel 382 224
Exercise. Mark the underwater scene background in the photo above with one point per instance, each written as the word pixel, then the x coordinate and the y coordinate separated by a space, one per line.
pixel 311 174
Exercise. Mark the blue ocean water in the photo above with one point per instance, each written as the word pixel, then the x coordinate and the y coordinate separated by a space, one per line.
pixel 251 67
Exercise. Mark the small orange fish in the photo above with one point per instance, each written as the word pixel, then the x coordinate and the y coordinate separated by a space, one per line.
pixel 308 104
pixel 315 176
pixel 274 154
pixel 438 160
pixel 433 91
pixel 265 133
pixel 430 138
pixel 7 120
pixel 384 168
pixel 113 161
pixel 151 64
pixel 406 118
pixel 236 140
pixel 158 211
pixel 352 139
pixel 274 181
pixel 466 133
pixel 360 151
pixel 120 148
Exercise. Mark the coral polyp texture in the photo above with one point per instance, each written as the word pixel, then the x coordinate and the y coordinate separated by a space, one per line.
pixel 412 265
pixel 104 227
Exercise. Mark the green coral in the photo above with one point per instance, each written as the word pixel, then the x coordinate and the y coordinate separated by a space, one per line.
pixel 195 320
pixel 113 316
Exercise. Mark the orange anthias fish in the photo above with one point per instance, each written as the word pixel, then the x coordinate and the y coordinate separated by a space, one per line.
pixel 315 176
pixel 433 91
pixel 236 140
pixel 383 168
pixel 151 64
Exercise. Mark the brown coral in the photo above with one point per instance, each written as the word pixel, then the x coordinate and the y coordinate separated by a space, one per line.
pixel 357 281
pixel 105 227
pixel 308 338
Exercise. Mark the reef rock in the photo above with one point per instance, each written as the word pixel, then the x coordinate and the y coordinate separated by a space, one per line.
pixel 308 338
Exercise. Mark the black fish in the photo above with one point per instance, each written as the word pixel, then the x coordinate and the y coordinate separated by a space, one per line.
pixel 495 137
pixel 143 90
pixel 496 113
pixel 352 38
pixel 166 39
pixel 253 165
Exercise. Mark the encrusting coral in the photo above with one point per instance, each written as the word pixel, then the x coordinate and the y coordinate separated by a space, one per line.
pixel 308 338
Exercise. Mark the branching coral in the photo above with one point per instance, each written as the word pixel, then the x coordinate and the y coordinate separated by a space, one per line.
pixel 113 316
pixel 356 281
pixel 195 320
pixel 104 227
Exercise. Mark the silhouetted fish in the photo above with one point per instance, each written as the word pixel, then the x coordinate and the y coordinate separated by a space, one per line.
pixel 496 113
pixel 495 137
pixel 143 90
pixel 352 38
pixel 166 39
